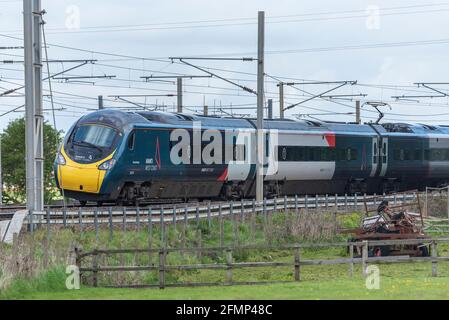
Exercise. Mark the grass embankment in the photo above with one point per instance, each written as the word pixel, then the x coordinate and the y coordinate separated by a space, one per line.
pixel 410 285
pixel 399 281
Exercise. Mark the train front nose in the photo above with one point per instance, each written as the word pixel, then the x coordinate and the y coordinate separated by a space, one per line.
pixel 86 157
pixel 78 177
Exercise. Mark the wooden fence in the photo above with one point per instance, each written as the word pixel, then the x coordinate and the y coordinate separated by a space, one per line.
pixel 296 262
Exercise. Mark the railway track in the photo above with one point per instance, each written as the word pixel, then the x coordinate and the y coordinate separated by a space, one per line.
pixel 171 213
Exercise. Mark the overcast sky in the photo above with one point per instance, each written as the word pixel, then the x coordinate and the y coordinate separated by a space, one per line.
pixel 386 46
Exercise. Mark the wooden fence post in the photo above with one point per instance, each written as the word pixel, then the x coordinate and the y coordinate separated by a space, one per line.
pixel 235 225
pixel 162 225
pixel 209 218
pixel 47 242
pixel 229 268
pixel 64 218
pixel 297 264
pixel 364 258
pixel 197 215
pixel 242 211
pixel 434 260
pixel 48 225
pixel 78 258
pixel 184 229
pixel 275 208
pixel 296 205
pixel 95 268
pixel 264 215
pixel 351 264
pixel 286 215
pixel 220 214
pixel 124 220
pixel 150 235
pixel 174 219
pixel 138 219
pixel 162 269
pixel 150 222
pixel 111 225
pixel 96 224
pixel 15 247
pixel 365 203
pixel 80 219
pixel 200 245
pixel 253 220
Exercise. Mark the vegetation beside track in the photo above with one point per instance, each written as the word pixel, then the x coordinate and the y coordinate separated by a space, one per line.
pixel 403 282
pixel 43 262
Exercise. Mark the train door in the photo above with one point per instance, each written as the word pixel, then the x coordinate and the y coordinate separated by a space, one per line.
pixel 239 167
pixel 383 156
pixel 375 157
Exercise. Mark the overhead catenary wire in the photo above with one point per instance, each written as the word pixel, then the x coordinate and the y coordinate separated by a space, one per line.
pixel 234 22
pixel 137 58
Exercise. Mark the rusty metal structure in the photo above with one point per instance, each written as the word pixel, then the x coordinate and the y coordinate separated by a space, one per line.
pixel 392 223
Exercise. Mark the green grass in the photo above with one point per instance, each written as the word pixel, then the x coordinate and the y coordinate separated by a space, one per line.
pixel 342 289
pixel 398 281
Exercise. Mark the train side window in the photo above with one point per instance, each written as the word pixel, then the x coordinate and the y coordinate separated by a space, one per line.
pixel 354 154
pixel 302 154
pixel 332 154
pixel 348 154
pixel 418 154
pixel 427 155
pixel 284 153
pixel 407 154
pixel 325 154
pixel 436 155
pixel 397 154
pixel 442 154
pixel 131 141
pixel 316 154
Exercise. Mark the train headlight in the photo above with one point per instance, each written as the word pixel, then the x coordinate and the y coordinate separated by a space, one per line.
pixel 61 159
pixel 107 165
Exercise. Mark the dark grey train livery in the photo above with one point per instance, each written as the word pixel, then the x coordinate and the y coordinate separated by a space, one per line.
pixel 114 156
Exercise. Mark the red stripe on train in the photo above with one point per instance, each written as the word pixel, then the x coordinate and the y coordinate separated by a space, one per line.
pixel 224 176
pixel 330 140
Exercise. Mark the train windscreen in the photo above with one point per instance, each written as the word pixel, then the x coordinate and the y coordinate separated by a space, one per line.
pixel 94 135
pixel 90 143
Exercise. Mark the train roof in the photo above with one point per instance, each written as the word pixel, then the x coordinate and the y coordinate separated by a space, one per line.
pixel 121 119
pixel 417 128
pixel 232 123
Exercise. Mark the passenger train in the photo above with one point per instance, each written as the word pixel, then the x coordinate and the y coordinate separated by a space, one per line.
pixel 112 156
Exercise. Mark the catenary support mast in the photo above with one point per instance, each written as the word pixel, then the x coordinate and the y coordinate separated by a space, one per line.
pixel 33 105
pixel 260 106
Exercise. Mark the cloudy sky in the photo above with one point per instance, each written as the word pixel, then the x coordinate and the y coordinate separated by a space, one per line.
pixel 386 46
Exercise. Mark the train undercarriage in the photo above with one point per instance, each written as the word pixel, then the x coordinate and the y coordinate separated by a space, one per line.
pixel 132 193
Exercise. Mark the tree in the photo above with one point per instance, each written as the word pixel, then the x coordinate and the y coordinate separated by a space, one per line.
pixel 13 161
